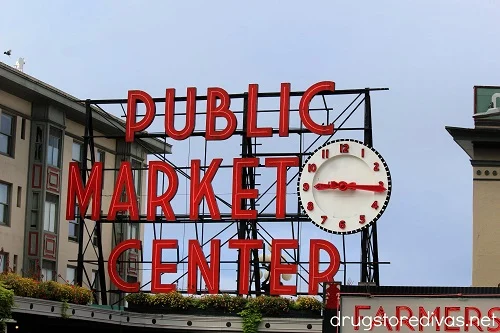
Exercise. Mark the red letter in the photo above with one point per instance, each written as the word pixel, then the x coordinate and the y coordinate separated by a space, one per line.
pixel 472 321
pixel 222 110
pixel 124 180
pixel 434 317
pixel 157 268
pixel 197 259
pixel 170 114
pixel 447 327
pixel 252 129
pixel 328 274
pixel 203 189
pixel 284 109
pixel 113 257
pixel 77 191
pixel 357 317
pixel 404 320
pixel 304 107
pixel 381 314
pixel 277 268
pixel 131 127
pixel 245 246
pixel 282 165
pixel 496 320
pixel 239 193
pixel 163 200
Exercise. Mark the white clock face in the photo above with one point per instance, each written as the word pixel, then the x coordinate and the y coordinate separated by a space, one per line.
pixel 344 186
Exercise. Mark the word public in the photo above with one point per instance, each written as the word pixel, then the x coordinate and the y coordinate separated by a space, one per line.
pixel 218 106
pixel 222 110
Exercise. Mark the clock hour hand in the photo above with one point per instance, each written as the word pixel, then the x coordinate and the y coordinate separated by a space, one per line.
pixel 344 186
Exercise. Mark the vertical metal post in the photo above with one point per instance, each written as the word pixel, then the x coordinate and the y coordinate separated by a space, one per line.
pixel 248 228
pixel 369 245
pixel 79 267
pixel 97 229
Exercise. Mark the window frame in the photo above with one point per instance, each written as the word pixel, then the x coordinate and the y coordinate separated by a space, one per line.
pixel 74 268
pixel 4 262
pixel 76 223
pixel 56 214
pixel 53 271
pixel 7 205
pixel 103 160
pixel 80 162
pixel 13 126
pixel 59 147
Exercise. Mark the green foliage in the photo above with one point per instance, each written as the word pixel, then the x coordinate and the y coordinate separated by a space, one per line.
pixel 252 317
pixel 308 303
pixel 49 290
pixel 271 306
pixel 139 298
pixel 173 300
pixel 6 304
pixel 64 309
pixel 224 303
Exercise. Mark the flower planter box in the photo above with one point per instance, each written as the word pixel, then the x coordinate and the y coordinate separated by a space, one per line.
pixel 214 312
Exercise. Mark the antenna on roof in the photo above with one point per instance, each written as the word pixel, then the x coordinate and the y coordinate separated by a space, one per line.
pixel 20 64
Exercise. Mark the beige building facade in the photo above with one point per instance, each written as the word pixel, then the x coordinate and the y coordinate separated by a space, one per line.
pixel 482 145
pixel 41 132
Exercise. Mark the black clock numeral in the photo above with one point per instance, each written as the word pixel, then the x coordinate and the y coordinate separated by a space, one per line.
pixel 344 148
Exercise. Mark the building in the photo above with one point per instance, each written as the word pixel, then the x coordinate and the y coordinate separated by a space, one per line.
pixel 482 145
pixel 41 132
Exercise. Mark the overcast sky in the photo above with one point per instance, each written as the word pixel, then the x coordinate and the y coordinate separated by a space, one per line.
pixel 429 54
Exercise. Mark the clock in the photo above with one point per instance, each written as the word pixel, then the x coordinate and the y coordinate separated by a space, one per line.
pixel 344 186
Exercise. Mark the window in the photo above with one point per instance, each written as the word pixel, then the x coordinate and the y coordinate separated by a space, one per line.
pixel 136 175
pixel 95 284
pixel 71 274
pixel 51 213
pixel 4 203
pixel 19 195
pixel 100 157
pixel 14 266
pixel 23 128
pixel 4 262
pixel 35 204
pixel 38 144
pixel 54 151
pixel 77 153
pixel 94 235
pixel 73 225
pixel 48 270
pixel 133 231
pixel 7 123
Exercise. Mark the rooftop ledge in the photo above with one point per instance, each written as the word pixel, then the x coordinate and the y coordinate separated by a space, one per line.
pixel 29 88
pixel 176 322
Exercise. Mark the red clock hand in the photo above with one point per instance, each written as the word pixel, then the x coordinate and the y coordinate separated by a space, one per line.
pixel 344 186
pixel 322 186
pixel 375 188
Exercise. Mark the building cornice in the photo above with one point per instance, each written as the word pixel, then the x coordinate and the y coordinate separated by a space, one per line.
pixel 29 88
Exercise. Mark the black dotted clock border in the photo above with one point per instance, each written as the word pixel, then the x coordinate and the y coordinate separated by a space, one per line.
pixel 384 206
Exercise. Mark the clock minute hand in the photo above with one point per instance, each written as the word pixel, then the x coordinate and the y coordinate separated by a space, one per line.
pixel 375 188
